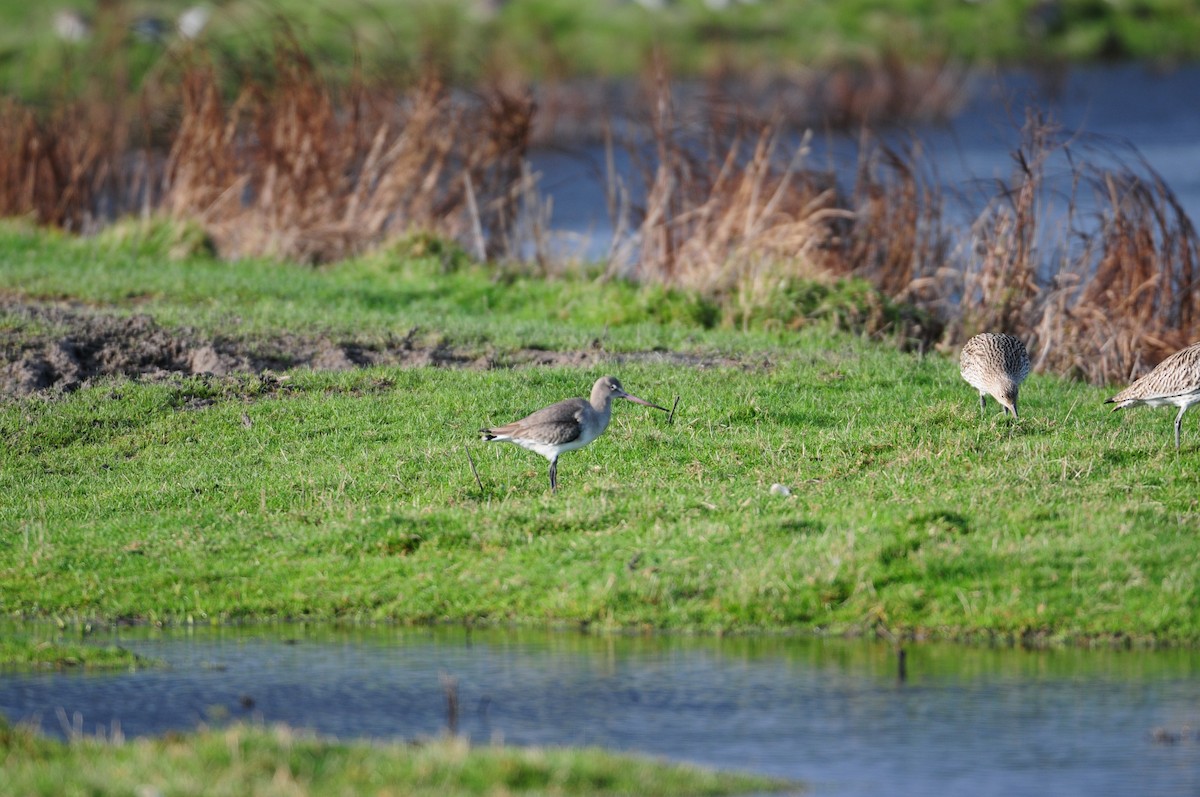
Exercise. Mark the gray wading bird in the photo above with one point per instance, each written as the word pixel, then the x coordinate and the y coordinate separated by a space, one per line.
pixel 566 425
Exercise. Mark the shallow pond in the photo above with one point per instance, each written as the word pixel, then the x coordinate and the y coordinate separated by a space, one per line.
pixel 972 721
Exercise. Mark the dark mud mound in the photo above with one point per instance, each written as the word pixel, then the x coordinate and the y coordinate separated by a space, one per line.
pixel 60 347
pixel 55 347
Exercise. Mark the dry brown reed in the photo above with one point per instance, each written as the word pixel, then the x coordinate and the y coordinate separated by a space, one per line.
pixel 1101 295
pixel 1131 296
pixel 288 168
pixel 728 216
pixel 891 89
pixel 886 91
pixel 54 169
pixel 292 171
pixel 995 284
pixel 79 157
pixel 897 234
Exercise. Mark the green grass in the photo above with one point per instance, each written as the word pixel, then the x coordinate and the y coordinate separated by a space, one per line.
pixel 419 283
pixel 349 494
pixel 563 38
pixel 244 759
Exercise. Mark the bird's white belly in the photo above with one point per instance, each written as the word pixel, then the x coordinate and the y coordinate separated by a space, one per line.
pixel 551 450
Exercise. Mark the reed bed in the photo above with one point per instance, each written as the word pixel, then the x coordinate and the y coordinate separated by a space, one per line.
pixel 287 168
pixel 292 171
pixel 722 214
pixel 56 168
pixel 1083 251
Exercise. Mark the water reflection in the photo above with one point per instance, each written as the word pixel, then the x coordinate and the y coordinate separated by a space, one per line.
pixel 967 721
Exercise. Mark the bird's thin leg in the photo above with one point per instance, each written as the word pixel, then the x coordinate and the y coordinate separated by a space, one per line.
pixel 554 475
pixel 1178 421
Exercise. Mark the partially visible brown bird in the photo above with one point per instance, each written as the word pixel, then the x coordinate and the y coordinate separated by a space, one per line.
pixel 1174 381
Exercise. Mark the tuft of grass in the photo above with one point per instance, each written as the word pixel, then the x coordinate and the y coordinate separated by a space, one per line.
pixel 21 651
pixel 156 237
pixel 244 759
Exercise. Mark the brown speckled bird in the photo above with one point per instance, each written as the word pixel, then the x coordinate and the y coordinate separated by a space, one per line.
pixel 1174 381
pixel 995 364
pixel 565 426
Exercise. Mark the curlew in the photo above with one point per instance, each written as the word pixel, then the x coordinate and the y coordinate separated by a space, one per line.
pixel 1174 381
pixel 566 425
pixel 995 364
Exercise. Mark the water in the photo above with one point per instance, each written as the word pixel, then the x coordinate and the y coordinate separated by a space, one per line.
pixel 967 721
pixel 1120 114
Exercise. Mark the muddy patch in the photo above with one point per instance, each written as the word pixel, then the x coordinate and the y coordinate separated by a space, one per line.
pixel 58 347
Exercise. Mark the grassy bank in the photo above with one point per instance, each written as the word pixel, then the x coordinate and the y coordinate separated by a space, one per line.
pixel 347 494
pixel 562 38
pixel 418 294
pixel 251 760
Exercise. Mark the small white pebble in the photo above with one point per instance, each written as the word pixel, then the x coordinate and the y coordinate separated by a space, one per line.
pixel 779 489
pixel 192 22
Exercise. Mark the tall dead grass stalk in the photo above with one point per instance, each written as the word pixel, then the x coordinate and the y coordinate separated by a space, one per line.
pixel 287 168
pixel 1131 297
pixel 54 169
pixel 897 240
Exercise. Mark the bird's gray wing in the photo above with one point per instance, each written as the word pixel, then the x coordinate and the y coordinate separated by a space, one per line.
pixel 557 424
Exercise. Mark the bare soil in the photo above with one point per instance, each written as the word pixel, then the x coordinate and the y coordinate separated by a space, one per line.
pixel 59 347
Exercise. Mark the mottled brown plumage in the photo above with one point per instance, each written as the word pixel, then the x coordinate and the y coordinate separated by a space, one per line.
pixel 566 425
pixel 1174 381
pixel 995 364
